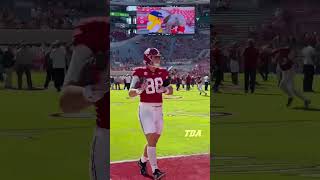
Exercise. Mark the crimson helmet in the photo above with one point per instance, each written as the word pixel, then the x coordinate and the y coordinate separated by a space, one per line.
pixel 94 33
pixel 147 56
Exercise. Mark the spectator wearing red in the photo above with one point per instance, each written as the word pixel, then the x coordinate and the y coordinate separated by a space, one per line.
pixel 217 59
pixel 178 82
pixel 188 82
pixel 265 61
pixel 251 57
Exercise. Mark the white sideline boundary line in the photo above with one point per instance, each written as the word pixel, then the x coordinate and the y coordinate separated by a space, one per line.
pixel 163 157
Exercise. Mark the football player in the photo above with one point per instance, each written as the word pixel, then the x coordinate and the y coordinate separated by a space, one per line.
pixel 288 73
pixel 150 82
pixel 199 82
pixel 86 84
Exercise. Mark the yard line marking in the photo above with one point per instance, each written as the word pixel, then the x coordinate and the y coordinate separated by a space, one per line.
pixel 163 157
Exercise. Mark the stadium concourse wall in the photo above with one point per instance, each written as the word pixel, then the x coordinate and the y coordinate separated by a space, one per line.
pixel 34 36
pixel 157 3
pixel 120 73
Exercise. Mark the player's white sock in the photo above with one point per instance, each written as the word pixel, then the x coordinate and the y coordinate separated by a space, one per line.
pixel 152 157
pixel 144 159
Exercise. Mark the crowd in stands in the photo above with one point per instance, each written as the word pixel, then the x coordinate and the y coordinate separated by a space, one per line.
pixel 223 5
pixel 197 43
pixel 171 48
pixel 45 15
pixel 119 63
pixel 118 35
pixel 161 42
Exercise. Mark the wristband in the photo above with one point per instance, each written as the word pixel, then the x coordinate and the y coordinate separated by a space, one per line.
pixel 139 91
pixel 166 90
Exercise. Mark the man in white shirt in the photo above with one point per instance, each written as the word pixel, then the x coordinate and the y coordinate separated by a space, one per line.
pixel 58 57
pixel 117 81
pixel 127 80
pixel 206 82
pixel 308 54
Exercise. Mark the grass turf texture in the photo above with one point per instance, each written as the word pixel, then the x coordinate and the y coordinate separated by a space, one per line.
pixel 263 139
pixel 190 112
pixel 35 146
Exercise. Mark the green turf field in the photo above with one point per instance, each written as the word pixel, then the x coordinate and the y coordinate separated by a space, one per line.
pixel 35 146
pixel 184 111
pixel 263 139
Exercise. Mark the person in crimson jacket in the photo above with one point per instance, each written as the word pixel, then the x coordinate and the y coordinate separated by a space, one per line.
pixel 178 82
pixel 217 59
pixel 251 58
pixel 188 81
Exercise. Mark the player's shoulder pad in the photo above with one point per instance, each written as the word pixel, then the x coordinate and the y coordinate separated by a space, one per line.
pixel 93 32
pixel 138 71
pixel 163 70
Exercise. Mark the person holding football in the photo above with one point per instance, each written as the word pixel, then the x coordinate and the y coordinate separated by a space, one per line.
pixel 150 82
pixel 86 84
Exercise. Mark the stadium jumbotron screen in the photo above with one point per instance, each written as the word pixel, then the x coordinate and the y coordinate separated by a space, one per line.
pixel 165 20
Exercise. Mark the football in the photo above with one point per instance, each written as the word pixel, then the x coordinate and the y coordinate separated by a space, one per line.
pixel 141 81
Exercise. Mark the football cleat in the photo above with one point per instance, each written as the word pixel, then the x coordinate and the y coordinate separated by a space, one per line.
pixel 307 103
pixel 143 167
pixel 158 174
pixel 290 100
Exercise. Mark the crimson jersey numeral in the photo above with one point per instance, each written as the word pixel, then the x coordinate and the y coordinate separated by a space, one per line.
pixel 153 85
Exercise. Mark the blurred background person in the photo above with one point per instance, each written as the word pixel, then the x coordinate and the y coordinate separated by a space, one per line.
pixel 251 57
pixel 188 82
pixel 58 56
pixel 48 66
pixel 308 53
pixel 206 82
pixel 1 66
pixel 8 63
pixel 24 63
pixel 217 56
pixel 265 61
pixel 117 81
pixel 183 82
pixel 112 82
pixel 178 82
pixel 68 48
pixel 234 57
pixel 127 82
